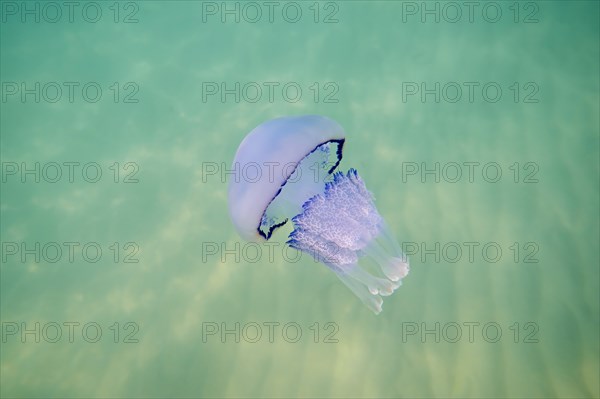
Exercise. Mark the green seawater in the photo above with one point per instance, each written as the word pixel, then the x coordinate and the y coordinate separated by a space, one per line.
pixel 119 257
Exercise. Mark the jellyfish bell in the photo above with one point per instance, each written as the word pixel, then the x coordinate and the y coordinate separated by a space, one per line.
pixel 267 162
pixel 284 170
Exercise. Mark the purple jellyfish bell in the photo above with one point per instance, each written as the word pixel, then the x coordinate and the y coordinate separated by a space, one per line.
pixel 334 216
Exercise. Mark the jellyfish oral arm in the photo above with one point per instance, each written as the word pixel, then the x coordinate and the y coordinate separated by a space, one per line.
pixel 343 229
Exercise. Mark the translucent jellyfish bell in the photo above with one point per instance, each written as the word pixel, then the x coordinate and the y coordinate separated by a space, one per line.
pixel 285 169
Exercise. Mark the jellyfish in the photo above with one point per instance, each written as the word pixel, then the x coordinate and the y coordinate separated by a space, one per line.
pixel 285 171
